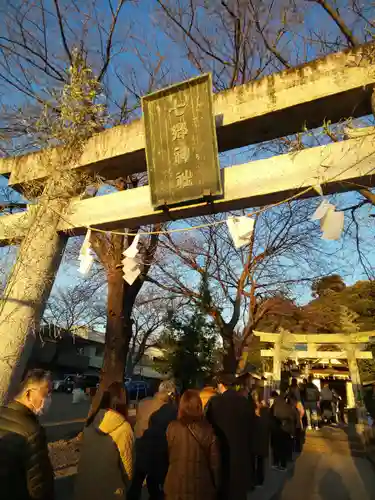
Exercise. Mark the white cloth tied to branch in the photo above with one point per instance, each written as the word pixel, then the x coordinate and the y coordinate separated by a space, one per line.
pixel 132 250
pixel 131 269
pixel 86 258
pixel 331 222
pixel 322 210
pixel 85 263
pixel 240 229
pixel 332 225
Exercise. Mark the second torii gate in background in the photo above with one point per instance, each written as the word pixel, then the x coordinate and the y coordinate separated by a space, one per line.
pixel 285 348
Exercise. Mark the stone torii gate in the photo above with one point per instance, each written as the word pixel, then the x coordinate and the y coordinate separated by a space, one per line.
pixel 332 88
pixel 285 348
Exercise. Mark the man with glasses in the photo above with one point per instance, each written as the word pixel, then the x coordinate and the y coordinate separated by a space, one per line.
pixel 25 468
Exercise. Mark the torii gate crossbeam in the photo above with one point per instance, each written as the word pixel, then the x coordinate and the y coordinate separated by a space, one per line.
pixel 336 166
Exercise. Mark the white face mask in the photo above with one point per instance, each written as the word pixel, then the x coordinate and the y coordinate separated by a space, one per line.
pixel 44 406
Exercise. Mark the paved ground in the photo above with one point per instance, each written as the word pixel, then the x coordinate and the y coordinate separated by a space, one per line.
pixel 62 408
pixel 332 466
pixel 64 419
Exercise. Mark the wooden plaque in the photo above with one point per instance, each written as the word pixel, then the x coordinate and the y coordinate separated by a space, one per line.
pixel 181 144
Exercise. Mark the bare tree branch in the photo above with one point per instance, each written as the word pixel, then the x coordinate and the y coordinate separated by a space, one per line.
pixel 335 16
pixel 62 31
pixel 190 35
pixel 269 46
pixel 369 195
pixel 112 29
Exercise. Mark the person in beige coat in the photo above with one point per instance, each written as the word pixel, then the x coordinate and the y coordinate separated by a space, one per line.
pixel 105 467
pixel 194 457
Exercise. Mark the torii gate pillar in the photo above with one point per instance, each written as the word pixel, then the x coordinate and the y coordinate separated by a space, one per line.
pixel 29 285
pixel 277 363
pixel 354 372
pixel 354 389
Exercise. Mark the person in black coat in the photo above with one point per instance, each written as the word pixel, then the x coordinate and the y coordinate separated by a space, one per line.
pixel 260 442
pixel 283 427
pixel 298 410
pixel 231 416
pixel 25 468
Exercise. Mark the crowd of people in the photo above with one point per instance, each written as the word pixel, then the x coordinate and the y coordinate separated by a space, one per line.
pixel 209 444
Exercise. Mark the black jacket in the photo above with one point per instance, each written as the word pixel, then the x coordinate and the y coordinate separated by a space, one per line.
pixel 151 448
pixel 232 417
pixel 260 442
pixel 25 468
pixel 284 416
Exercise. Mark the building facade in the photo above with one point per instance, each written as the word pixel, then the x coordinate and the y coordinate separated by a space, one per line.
pixel 65 352
pixel 81 351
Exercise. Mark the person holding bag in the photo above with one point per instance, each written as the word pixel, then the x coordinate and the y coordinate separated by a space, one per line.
pixel 282 431
pixel 105 467
pixel 260 442
pixel 194 460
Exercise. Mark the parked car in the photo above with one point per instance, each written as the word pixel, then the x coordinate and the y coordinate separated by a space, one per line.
pixel 65 384
pixel 137 390
pixel 87 382
pixel 70 382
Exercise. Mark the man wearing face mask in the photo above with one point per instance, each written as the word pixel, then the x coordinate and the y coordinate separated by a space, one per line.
pixel 25 468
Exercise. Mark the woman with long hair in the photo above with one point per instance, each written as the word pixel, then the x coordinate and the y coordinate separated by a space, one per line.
pixel 106 462
pixel 193 472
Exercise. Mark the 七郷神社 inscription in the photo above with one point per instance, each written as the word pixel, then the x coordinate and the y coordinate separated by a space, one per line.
pixel 181 145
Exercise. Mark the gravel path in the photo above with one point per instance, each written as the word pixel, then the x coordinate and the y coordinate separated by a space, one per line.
pixel 64 454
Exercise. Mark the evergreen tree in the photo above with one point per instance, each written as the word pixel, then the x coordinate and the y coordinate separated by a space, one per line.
pixel 191 345
pixel 192 358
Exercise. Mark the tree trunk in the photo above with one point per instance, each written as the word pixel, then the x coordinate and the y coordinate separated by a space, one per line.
pixel 118 333
pixel 229 356
pixel 115 346
pixel 121 299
